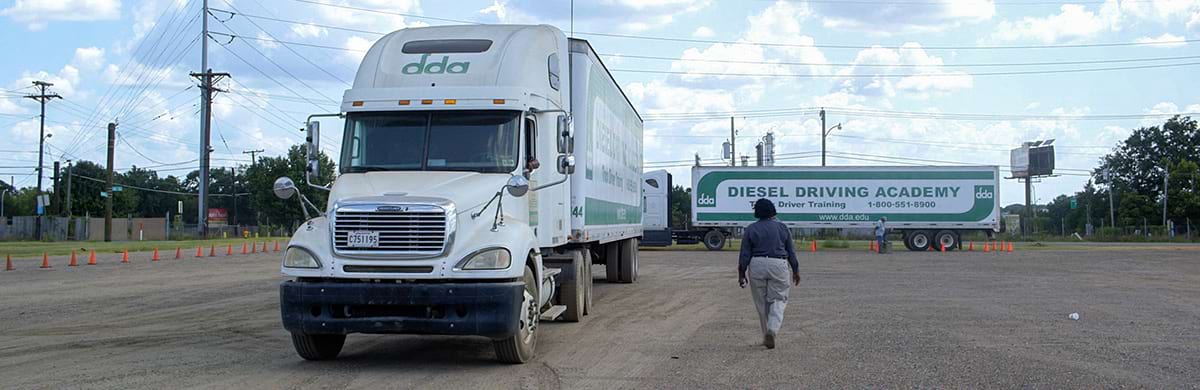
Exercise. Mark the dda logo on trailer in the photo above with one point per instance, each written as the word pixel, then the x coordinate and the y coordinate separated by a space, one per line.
pixel 984 192
pixel 445 66
pixel 703 199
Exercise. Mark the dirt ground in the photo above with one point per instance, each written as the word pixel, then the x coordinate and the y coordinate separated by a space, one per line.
pixel 862 320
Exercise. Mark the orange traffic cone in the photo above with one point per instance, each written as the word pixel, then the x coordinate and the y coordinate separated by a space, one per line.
pixel 178 253
pixel 199 251
pixel 1010 247
pixel 987 248
pixel 92 257
pixel 212 251
pixel 264 250
pixel 971 247
pixel 45 260
pixel 155 258
pixel 73 262
pixel 873 248
pixel 253 247
pixel 125 256
pixel 8 263
pixel 813 248
pixel 943 247
pixel 244 250
pixel 277 246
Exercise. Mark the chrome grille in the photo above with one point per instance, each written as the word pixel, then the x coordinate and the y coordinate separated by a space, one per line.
pixel 416 230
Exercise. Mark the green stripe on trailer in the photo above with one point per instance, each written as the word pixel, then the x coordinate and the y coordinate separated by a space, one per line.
pixel 600 212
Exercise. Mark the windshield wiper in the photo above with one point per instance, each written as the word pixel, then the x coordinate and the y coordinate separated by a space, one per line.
pixel 366 168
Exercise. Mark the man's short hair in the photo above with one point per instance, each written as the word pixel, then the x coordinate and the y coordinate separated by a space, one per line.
pixel 763 209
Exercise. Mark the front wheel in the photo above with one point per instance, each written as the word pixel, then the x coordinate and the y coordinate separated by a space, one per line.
pixel 318 346
pixel 520 347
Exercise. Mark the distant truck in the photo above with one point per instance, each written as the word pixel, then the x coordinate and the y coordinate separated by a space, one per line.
pixel 657 229
pixel 929 206
pixel 458 208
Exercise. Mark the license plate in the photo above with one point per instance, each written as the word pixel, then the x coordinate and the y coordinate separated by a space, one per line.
pixel 363 239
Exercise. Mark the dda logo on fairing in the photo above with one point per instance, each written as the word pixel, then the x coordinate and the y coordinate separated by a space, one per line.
pixel 444 66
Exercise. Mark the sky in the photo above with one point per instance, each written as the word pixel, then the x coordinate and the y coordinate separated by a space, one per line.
pixel 912 82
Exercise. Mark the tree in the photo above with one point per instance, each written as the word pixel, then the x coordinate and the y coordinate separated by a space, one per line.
pixel 260 179
pixel 679 202
pixel 1140 162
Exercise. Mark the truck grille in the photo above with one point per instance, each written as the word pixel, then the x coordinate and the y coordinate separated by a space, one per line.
pixel 405 231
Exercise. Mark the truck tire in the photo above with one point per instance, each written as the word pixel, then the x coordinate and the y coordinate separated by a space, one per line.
pixel 714 240
pixel 612 257
pixel 519 348
pixel 919 240
pixel 587 282
pixel 629 260
pixel 574 292
pixel 318 346
pixel 946 239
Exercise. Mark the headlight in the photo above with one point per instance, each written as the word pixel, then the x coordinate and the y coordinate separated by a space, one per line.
pixel 495 258
pixel 300 258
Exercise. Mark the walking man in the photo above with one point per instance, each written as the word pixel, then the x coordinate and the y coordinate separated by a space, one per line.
pixel 881 234
pixel 767 255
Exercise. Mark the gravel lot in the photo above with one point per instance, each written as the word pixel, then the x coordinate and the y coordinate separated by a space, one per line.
pixel 897 320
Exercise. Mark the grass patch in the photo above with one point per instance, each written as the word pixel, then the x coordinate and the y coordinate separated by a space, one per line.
pixel 32 248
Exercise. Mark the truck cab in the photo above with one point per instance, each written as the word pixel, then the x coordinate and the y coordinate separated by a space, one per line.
pixel 452 209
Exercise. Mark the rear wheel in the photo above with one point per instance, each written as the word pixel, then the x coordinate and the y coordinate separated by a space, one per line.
pixel 612 259
pixel 629 260
pixel 587 282
pixel 318 346
pixel 918 240
pixel 520 347
pixel 574 292
pixel 946 239
pixel 714 240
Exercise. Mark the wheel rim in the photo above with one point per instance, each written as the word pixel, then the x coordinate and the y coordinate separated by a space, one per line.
pixel 920 241
pixel 714 240
pixel 946 241
pixel 530 320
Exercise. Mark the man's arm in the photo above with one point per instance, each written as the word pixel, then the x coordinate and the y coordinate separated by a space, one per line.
pixel 744 256
pixel 791 250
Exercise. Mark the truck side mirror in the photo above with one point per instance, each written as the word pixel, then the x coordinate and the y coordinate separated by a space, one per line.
pixel 566 164
pixel 563 131
pixel 313 146
pixel 284 188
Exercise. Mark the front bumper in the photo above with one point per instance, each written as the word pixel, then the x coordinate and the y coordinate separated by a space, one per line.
pixel 483 309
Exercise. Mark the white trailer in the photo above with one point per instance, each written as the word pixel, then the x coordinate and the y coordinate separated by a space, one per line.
pixel 931 206
pixel 458 208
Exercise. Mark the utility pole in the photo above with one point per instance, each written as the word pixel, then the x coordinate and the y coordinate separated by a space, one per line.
pixel 207 80
pixel 825 133
pixel 1112 216
pixel 108 188
pixel 1166 175
pixel 1025 228
pixel 42 98
pixel 56 182
pixel 68 203
pixel 732 144
pixel 253 155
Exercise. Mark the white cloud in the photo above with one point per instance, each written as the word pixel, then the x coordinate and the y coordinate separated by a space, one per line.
pixel 1167 40
pixel 882 72
pixel 703 32
pixel 889 19
pixel 36 14
pixel 497 8
pixel 89 58
pixel 1075 22
pixel 359 45
pixel 372 21
pixel 621 15
pixel 265 41
pixel 308 30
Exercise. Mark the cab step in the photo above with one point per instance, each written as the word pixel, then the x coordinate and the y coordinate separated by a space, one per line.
pixel 553 313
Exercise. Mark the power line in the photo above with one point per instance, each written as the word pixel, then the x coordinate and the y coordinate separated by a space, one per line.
pixel 985 64
pixel 936 75
pixel 153 189
pixel 289 47
pixel 673 116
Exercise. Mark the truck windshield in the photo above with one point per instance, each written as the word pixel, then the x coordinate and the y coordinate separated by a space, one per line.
pixel 479 141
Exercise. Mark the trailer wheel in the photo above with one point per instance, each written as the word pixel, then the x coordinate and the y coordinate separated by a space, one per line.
pixel 629 260
pixel 587 282
pixel 612 258
pixel 574 292
pixel 318 346
pixel 918 240
pixel 520 347
pixel 714 240
pixel 947 239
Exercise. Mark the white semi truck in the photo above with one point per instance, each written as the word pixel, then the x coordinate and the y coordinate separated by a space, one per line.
pixel 459 208
pixel 930 206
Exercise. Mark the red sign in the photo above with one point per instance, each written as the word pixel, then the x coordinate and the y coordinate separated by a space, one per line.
pixel 218 216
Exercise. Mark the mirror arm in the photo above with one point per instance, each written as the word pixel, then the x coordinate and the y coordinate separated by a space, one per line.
pixel 548 185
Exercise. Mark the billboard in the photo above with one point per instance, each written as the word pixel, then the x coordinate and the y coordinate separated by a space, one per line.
pixel 218 217
pixel 1032 161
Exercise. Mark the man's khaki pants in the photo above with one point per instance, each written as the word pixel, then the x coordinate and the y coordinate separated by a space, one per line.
pixel 769 286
